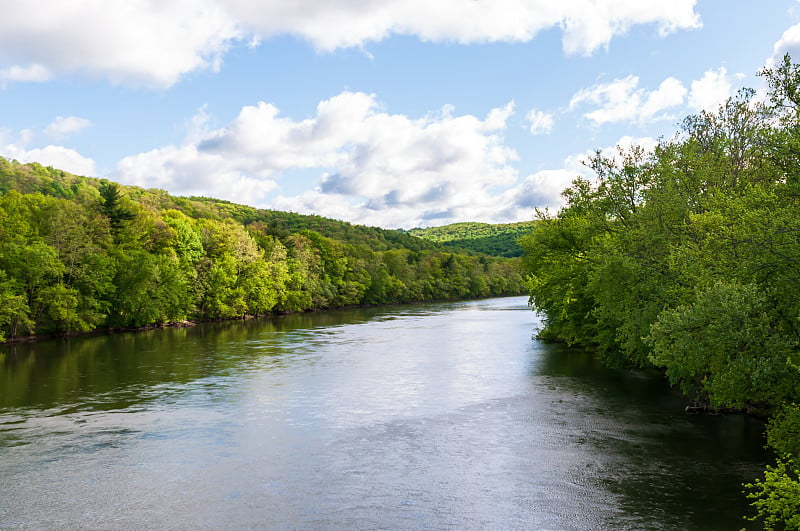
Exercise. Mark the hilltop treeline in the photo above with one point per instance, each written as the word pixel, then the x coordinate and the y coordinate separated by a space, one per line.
pixel 688 259
pixel 495 240
pixel 79 254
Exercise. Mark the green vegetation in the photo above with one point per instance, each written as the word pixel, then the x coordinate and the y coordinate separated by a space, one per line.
pixel 79 254
pixel 494 240
pixel 688 259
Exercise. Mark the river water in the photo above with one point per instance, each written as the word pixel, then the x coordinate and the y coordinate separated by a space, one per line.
pixel 431 416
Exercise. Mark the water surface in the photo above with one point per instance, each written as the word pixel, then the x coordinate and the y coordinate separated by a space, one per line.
pixel 410 417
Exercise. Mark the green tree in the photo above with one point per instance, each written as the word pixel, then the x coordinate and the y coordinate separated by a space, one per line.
pixel 686 258
pixel 726 344
pixel 114 206
pixel 150 289
pixel 14 310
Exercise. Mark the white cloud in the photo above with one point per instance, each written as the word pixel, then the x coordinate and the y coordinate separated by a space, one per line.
pixel 16 73
pixel 670 93
pixel 541 123
pixel 713 89
pixel 345 207
pixel 375 168
pixel 389 166
pixel 542 189
pixel 619 100
pixel 623 101
pixel 592 24
pixel 788 43
pixel 63 126
pixel 57 156
pixel 146 43
pixel 495 120
pixel 138 42
pixel 586 24
pixel 627 142
pixel 186 171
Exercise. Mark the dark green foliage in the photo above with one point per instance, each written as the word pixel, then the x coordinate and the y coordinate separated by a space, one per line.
pixel 688 259
pixel 113 206
pixel 281 224
pixel 494 240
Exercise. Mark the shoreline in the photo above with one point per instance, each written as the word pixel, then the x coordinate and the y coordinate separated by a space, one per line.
pixel 189 323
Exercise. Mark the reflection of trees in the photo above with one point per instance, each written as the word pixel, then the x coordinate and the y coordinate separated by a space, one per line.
pixel 653 457
pixel 113 369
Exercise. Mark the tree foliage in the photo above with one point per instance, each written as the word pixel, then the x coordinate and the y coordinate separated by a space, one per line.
pixel 79 254
pixel 494 240
pixel 687 258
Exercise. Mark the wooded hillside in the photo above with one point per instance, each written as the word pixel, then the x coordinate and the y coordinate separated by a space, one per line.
pixel 494 240
pixel 80 253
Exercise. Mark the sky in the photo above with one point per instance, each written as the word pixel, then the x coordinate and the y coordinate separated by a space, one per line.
pixel 390 113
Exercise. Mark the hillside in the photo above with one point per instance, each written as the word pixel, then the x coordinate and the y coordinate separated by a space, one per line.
pixel 35 178
pixel 80 253
pixel 494 240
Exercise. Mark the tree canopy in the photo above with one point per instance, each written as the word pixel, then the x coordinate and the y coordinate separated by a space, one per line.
pixel 687 258
pixel 495 240
pixel 79 254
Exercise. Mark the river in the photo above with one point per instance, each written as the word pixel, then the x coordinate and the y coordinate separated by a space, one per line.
pixel 430 416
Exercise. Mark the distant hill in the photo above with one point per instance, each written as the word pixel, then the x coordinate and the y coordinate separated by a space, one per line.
pixel 494 240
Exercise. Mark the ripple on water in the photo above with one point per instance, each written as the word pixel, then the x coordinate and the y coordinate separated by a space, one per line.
pixel 419 417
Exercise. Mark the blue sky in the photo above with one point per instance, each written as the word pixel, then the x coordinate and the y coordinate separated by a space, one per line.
pixel 394 113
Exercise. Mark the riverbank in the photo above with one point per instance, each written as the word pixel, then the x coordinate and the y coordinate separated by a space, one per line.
pixel 194 322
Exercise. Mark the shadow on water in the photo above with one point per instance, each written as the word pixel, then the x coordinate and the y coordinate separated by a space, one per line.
pixel 115 368
pixel 667 466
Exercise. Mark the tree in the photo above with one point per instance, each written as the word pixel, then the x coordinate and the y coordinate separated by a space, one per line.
pixel 14 310
pixel 114 206
pixel 150 289
pixel 686 259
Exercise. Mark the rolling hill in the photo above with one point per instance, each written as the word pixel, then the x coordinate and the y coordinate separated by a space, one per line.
pixel 494 240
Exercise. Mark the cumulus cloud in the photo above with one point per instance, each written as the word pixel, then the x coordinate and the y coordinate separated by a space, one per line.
pixel 788 43
pixel 578 162
pixel 592 24
pixel 148 43
pixel 373 164
pixel 625 143
pixel 623 101
pixel 31 72
pixel 185 170
pixel 586 24
pixel 540 190
pixel 138 42
pixel 541 123
pixel 373 167
pixel 17 146
pixel 711 90
pixel 60 157
pixel 63 126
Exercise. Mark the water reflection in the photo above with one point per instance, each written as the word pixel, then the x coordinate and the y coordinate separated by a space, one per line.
pixel 684 469
pixel 430 416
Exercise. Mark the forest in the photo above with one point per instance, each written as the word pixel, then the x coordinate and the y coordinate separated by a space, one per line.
pixel 79 254
pixel 687 259
pixel 494 240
